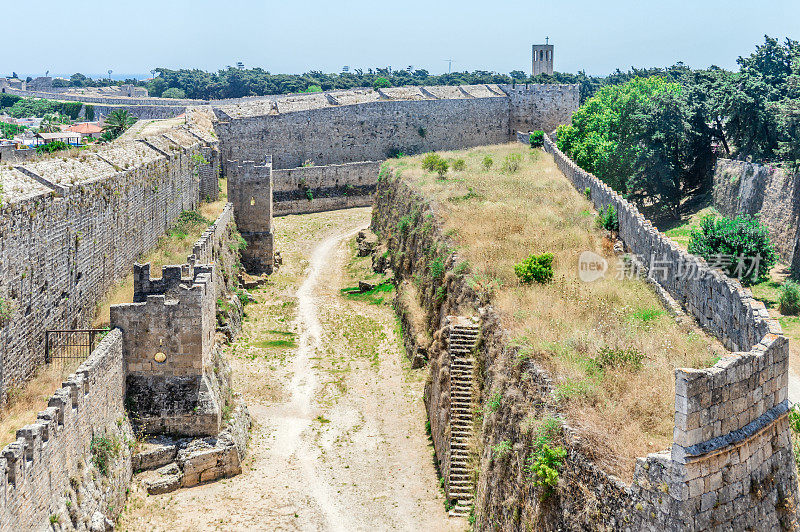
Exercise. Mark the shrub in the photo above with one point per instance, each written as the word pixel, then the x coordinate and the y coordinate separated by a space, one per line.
pixel 501 449
pixel 619 358
pixel 435 163
pixel 546 458
pixel 789 302
pixel 588 193
pixel 741 246
pixel 104 450
pixel 309 195
pixel 51 147
pixel 511 163
pixel 536 139
pixel 537 268
pixel 381 83
pixel 422 131
pixel 436 267
pixel 458 165
pixel 487 162
pixel 607 218
pixel 544 466
pixel 495 401
pixel 89 113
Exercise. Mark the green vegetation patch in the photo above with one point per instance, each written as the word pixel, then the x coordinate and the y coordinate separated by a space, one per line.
pixel 376 296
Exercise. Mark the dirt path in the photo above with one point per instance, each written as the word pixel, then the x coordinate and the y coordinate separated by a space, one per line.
pixel 339 440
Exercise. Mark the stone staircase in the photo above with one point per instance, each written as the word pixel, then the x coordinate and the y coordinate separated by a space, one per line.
pixel 462 340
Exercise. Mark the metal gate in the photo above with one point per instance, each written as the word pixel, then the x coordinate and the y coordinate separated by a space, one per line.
pixel 71 345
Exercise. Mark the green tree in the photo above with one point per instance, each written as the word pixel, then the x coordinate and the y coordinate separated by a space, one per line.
pixel 116 123
pixel 381 83
pixel 174 92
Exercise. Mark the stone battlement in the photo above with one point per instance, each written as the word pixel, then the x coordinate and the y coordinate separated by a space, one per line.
pixel 89 404
pixel 168 336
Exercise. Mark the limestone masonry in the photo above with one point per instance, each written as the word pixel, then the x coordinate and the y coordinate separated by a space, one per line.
pixel 772 193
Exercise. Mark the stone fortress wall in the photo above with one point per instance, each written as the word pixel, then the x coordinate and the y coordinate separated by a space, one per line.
pixel 326 143
pixel 308 189
pixel 42 464
pixel 36 469
pixel 770 192
pixel 72 226
pixel 731 462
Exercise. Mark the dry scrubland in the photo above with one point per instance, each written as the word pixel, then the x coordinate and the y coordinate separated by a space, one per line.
pixel 498 217
pixel 172 248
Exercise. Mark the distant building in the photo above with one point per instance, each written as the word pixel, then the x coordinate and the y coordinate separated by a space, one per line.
pixel 542 59
pixel 86 129
pixel 68 137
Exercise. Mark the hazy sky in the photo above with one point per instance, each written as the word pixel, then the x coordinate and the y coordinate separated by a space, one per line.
pixel 132 37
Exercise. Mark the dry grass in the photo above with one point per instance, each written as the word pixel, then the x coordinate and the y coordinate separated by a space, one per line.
pixel 25 402
pixel 499 218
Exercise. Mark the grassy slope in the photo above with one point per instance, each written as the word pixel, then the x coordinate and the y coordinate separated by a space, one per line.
pixel 497 219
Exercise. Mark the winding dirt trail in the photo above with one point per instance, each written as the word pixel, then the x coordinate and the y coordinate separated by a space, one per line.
pixel 338 441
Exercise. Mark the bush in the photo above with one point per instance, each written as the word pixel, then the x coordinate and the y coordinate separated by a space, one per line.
pixel 544 465
pixel 607 218
pixel 588 193
pixel 487 162
pixel 51 147
pixel 736 246
pixel 537 268
pixel 536 139
pixel 511 162
pixel 459 165
pixel 789 302
pixel 381 83
pixel 619 358
pixel 104 450
pixel 89 113
pixel 435 163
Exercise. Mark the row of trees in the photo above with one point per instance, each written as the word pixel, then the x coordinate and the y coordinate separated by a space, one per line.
pixel 654 135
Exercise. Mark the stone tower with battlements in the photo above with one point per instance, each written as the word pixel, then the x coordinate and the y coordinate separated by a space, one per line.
pixel 250 191
pixel 167 342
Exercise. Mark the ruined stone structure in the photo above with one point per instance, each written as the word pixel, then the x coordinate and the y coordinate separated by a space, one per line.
pixel 772 193
pixel 250 192
pixel 168 334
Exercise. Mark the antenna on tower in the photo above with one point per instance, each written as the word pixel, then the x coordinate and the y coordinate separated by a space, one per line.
pixel 449 65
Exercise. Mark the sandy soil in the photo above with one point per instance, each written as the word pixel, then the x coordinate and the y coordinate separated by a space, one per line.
pixel 339 441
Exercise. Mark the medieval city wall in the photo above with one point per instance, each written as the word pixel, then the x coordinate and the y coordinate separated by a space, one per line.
pixel 770 192
pixel 50 462
pixel 543 107
pixel 731 461
pixel 309 189
pixel 71 227
pixel 731 464
pixel 365 132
